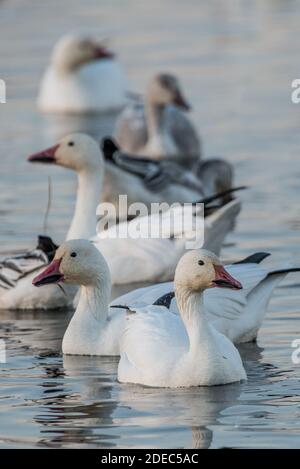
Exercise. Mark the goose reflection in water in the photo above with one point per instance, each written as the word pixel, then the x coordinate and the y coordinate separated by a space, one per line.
pixel 80 407
pixel 89 408
pixel 75 401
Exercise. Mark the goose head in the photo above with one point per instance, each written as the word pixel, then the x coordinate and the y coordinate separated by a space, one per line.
pixel 164 89
pixel 71 52
pixel 200 269
pixel 75 151
pixel 76 262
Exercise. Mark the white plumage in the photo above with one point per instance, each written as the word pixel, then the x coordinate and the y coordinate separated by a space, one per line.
pixel 130 260
pixel 79 81
pixel 161 349
pixel 96 326
pixel 238 315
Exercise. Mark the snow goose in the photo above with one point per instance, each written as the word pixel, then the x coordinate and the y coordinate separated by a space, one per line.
pixel 156 352
pixel 238 315
pixel 159 128
pixel 79 262
pixel 94 329
pixel 83 76
pixel 16 290
pixel 130 260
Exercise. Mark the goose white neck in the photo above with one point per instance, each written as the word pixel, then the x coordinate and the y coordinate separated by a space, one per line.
pixel 63 69
pixel 94 300
pixel 192 311
pixel 85 331
pixel 155 118
pixel 160 141
pixel 88 197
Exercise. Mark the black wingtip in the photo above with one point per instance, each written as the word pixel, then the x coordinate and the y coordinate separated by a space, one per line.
pixel 207 200
pixel 165 300
pixel 47 245
pixel 109 147
pixel 255 258
pixel 210 209
pixel 284 271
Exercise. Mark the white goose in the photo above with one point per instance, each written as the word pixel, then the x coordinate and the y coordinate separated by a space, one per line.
pixel 93 330
pixel 83 77
pixel 79 262
pixel 129 260
pixel 159 128
pixel 153 350
pixel 163 350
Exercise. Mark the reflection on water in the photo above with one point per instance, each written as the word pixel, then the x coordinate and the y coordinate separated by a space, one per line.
pixel 76 402
pixel 236 60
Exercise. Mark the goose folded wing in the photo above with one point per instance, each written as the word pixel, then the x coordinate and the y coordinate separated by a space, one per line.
pixel 218 302
pixel 142 167
pixel 13 268
pixel 150 333
pixel 230 304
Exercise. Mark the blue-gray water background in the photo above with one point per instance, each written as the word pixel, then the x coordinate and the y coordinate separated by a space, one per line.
pixel 236 60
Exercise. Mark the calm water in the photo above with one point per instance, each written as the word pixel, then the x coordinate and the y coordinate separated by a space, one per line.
pixel 236 60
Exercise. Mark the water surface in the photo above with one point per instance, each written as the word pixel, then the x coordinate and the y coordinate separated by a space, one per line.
pixel 236 60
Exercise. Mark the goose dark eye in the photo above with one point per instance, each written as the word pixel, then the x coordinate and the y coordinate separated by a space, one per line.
pixel 73 254
pixel 71 144
pixel 201 262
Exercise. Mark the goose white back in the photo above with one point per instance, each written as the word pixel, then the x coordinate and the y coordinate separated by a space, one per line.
pixel 83 76
pixel 153 353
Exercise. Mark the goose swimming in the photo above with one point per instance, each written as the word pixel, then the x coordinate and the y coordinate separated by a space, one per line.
pixel 83 76
pixel 97 326
pixel 160 349
pixel 130 260
pixel 159 128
